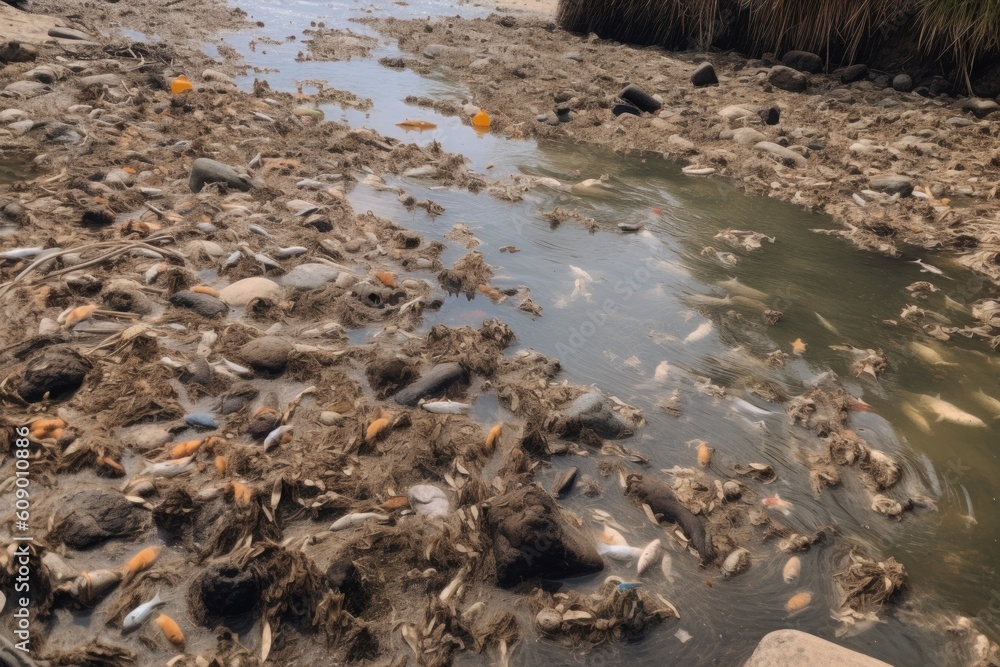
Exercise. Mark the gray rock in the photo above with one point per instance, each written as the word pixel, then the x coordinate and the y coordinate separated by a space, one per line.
pixel 788 156
pixel 25 89
pixel 126 296
pixel 15 52
pixel 892 184
pixel 58 371
pixel 532 539
pixel 109 80
pixel 310 276
pixel 748 135
pixel 803 61
pixel 980 108
pixel 854 73
pixel 119 178
pixel 267 354
pixel 903 83
pixel 594 412
pixel 959 121
pixel 90 518
pixel 68 33
pixel 21 127
pixel 205 305
pixel 788 79
pixel 61 133
pixel 205 171
pixel 435 382
pixel 434 50
pixel 242 292
pixel 735 112
pixel 680 144
pixel 704 75
pixel 793 648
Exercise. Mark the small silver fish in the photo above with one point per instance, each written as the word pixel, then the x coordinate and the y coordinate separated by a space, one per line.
pixel 236 368
pixel 446 407
pixel 21 253
pixel 266 261
pixel 291 251
pixel 648 556
pixel 138 616
pixel 168 468
pixel 232 259
pixel 257 229
pixel 356 518
pixel 621 552
pixel 274 437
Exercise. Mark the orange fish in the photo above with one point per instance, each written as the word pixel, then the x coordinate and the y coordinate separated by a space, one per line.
pixel 416 125
pixel 798 602
pixel 798 347
pixel 220 464
pixel 386 278
pixel 240 492
pixel 493 293
pixel 263 410
pixel 704 454
pixel 375 428
pixel 205 289
pixel 141 561
pixel 108 462
pixel 492 437
pixel 170 629
pixel 79 314
pixel 183 449
pixel 45 428
pixel 394 503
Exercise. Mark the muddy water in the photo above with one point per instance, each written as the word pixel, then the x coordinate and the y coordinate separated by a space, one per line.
pixel 634 301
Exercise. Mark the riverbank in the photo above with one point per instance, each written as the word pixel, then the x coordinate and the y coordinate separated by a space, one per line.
pixel 324 513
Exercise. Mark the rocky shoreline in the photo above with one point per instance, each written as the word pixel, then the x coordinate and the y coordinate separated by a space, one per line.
pixel 182 273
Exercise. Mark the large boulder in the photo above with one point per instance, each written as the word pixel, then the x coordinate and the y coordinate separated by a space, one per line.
pixel 225 590
pixel 267 354
pixel 57 372
pixel 803 61
pixel 788 79
pixel 532 539
pixel 704 76
pixel 87 519
pixel 244 291
pixel 205 171
pixel 793 648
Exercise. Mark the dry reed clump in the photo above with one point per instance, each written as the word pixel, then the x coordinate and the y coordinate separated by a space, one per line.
pixel 956 33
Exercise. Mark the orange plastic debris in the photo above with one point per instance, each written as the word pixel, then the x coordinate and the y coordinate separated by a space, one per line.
pixel 481 119
pixel 180 85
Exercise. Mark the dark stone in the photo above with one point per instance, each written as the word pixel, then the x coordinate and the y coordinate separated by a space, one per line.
pixel 594 412
pixel 57 371
pixel 90 518
pixel 892 184
pixel 531 539
pixel 788 79
pixel 854 73
pixel 267 354
pixel 623 107
pixel 803 61
pixel 320 223
pixel 661 499
pixel 343 576
pixel 205 171
pixel 226 590
pixel 640 98
pixel 15 52
pixel 979 108
pixel 903 83
pixel 770 115
pixel 704 76
pixel 68 33
pixel 205 305
pixel 435 382
pixel 881 81
pixel 97 217
pixel 939 86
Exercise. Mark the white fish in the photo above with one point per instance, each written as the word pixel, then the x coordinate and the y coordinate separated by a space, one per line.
pixel 927 268
pixel 692 170
pixel 991 404
pixel 21 253
pixel 612 537
pixel 169 468
pixel 266 261
pixel 232 259
pixel 750 407
pixel 945 411
pixel 257 229
pixel 236 368
pixel 580 289
pixel 661 372
pixel 445 407
pixel 274 437
pixel 928 354
pixel 971 516
pixel 914 416
pixel 825 323
pixel 648 556
pixel 356 518
pixel 703 330
pixel 621 552
pixel 291 251
pixel 171 363
pixel 667 567
pixel 792 569
pixel 580 273
pixel 955 306
pixel 736 287
pixel 138 616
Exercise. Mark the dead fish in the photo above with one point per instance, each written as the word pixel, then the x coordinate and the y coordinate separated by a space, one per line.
pixel 798 602
pixel 747 302
pixel 356 519
pixel 790 573
pixel 138 616
pixel 236 368
pixel 168 468
pixel 612 537
pixel 667 567
pixel 991 404
pixel 747 406
pixel 704 454
pixel 735 562
pixel 911 413
pixel 260 231
pixel 276 436
pixel 201 420
pixel 928 354
pixel 564 481
pixel 945 411
pixel 971 516
pixel 661 372
pixel 955 306
pixel 692 170
pixel 621 552
pixel 648 555
pixel 21 253
pixel 826 324
pixel 927 268
pixel 736 287
pixel 291 251
pixel 445 407
pixel 703 330
pixel 580 273
pixel 266 261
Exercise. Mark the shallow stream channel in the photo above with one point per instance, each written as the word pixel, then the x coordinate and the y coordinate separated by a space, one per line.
pixel 671 319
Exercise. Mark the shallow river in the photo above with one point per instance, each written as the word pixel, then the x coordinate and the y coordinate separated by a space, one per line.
pixel 654 282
